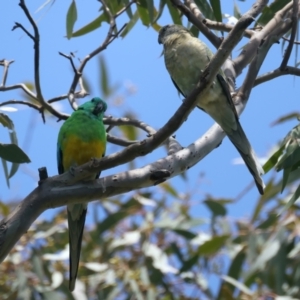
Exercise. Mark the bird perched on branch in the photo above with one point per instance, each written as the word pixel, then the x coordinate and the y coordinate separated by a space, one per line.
pixel 80 138
pixel 185 58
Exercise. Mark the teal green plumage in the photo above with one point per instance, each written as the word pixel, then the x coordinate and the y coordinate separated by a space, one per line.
pixel 80 138
pixel 185 59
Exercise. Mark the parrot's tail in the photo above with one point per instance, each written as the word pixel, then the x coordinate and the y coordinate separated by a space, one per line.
pixel 240 141
pixel 76 227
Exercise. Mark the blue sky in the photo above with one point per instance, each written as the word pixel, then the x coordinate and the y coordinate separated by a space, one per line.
pixel 132 61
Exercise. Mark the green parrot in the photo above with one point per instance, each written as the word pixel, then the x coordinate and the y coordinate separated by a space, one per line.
pixel 186 57
pixel 80 138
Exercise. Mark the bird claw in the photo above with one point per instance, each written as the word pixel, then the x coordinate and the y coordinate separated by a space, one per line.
pixel 72 170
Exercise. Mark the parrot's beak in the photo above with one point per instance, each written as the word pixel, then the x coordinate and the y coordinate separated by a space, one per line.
pixel 159 39
pixel 98 109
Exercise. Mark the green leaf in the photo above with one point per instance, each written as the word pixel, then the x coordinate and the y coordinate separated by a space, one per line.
pixel 293 199
pixel 194 30
pixel 285 118
pixel 130 24
pixel 114 6
pixel 270 249
pixel 5 169
pixel 286 173
pixel 205 9
pixel 271 162
pixel 188 264
pixel 128 10
pixel 71 18
pixel 91 26
pixel 161 7
pixel 269 11
pixel 290 158
pixel 4 209
pixel 185 233
pixel 174 12
pixel 169 188
pixel 143 12
pixel 14 169
pixel 216 6
pixel 176 250
pixel 239 285
pixel 6 121
pixel 12 153
pixel 129 132
pixel 270 221
pixel 236 266
pixel 236 11
pixel 213 245
pixel 124 211
pixel 216 207
pixel 150 6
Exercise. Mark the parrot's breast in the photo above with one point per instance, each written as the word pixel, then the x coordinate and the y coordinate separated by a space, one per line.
pixel 77 152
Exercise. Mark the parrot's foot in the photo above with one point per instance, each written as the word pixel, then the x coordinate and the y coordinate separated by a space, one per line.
pixel 72 170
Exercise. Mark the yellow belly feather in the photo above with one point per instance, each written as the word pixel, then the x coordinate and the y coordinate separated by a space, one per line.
pixel 77 152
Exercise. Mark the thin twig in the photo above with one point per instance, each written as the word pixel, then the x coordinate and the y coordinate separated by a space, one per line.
pixel 124 8
pixel 289 70
pixel 18 25
pixel 82 91
pixel 288 39
pixel 120 141
pixel 225 27
pixel 293 35
pixel 6 64
pixel 36 40
pixel 40 109
pixel 127 121
pixel 110 37
pixel 189 12
pixel 32 105
pixel 58 98
pixel 21 86
pixel 70 58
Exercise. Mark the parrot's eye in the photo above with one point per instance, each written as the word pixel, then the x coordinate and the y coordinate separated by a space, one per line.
pixel 93 100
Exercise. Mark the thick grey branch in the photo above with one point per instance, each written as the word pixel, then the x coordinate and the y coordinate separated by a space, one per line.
pixel 250 49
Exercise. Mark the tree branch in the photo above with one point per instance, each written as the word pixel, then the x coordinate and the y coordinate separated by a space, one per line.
pixel 293 35
pixel 57 191
pixel 254 67
pixel 289 70
pixel 110 37
pixel 193 14
pixel 249 50
pixel 6 64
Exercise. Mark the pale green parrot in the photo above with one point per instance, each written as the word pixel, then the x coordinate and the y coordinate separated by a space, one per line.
pixel 185 58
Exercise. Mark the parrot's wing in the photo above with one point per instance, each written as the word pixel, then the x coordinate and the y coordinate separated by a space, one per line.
pixel 180 92
pixel 177 87
pixel 99 173
pixel 59 156
pixel 75 238
pixel 226 91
